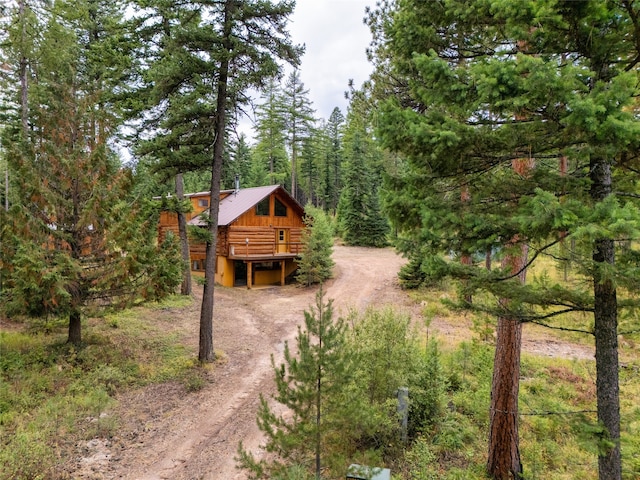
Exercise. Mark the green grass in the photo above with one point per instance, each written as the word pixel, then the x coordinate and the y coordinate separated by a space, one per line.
pixel 559 434
pixel 53 395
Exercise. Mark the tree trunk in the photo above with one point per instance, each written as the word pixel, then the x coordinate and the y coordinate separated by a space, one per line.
pixel 504 453
pixel 606 336
pixel 321 330
pixel 185 288
pixel 75 327
pixel 24 106
pixel 465 258
pixel 504 443
pixel 206 353
pixel 294 163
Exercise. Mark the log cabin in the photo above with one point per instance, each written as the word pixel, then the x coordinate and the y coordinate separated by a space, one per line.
pixel 259 235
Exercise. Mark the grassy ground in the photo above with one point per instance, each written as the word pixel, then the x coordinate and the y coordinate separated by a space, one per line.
pixel 53 395
pixel 559 433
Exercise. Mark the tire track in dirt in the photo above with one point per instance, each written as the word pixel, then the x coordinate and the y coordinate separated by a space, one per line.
pixel 168 433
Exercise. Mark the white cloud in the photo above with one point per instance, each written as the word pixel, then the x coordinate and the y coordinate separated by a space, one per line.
pixel 336 40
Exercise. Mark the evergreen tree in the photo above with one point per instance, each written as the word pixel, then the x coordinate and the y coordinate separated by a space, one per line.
pixel 248 39
pixel 309 384
pixel 313 150
pixel 239 163
pixel 298 121
pixel 270 149
pixel 208 55
pixel 197 181
pixel 333 162
pixel 77 239
pixel 489 111
pixel 258 173
pixel 173 103
pixel 315 264
pixel 18 41
pixel 360 216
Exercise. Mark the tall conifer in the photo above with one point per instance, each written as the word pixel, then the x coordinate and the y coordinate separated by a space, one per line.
pixel 76 239
pixel 309 382
pixel 298 122
pixel 469 103
pixel 360 217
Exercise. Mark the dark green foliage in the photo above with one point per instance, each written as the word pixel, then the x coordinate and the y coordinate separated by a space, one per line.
pixel 411 274
pixel 238 163
pixel 77 238
pixel 518 123
pixel 203 57
pixel 270 153
pixel 311 385
pixel 360 217
pixel 388 357
pixel 315 264
pixel 427 393
pixel 298 122
pixel 355 375
pixel 332 165
pixel 122 267
pixel 312 151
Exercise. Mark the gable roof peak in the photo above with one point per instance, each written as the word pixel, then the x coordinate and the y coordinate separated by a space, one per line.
pixel 237 202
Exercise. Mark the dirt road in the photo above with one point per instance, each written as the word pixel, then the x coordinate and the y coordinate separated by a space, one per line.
pixel 169 434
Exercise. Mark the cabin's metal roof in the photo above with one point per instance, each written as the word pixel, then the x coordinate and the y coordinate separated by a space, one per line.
pixel 238 202
pixel 235 204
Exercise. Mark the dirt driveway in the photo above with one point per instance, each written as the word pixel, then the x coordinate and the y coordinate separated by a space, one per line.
pixel 170 434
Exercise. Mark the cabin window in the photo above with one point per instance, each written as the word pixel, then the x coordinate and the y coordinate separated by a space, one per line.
pixel 280 209
pixel 262 208
pixel 203 202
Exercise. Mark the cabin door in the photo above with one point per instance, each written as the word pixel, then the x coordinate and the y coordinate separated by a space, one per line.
pixel 282 240
pixel 239 273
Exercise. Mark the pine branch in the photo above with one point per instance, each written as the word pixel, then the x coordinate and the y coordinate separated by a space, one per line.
pixel 537 253
pixel 563 329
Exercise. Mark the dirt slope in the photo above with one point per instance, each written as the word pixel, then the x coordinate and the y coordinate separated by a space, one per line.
pixel 170 434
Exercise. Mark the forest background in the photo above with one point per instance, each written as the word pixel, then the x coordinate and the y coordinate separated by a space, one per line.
pixel 490 137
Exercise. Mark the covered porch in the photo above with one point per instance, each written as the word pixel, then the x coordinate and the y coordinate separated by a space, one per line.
pixel 271 269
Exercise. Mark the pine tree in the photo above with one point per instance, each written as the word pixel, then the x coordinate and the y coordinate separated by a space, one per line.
pixel 298 121
pixel 479 92
pixel 270 150
pixel 311 154
pixel 210 55
pixel 77 239
pixel 333 162
pixel 315 264
pixel 243 60
pixel 360 217
pixel 239 163
pixel 308 384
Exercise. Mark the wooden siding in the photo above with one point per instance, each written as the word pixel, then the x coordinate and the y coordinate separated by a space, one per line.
pixel 250 219
pixel 261 241
pixel 249 238
pixel 170 219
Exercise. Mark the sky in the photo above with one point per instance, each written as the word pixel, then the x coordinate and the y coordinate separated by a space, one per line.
pixel 335 40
